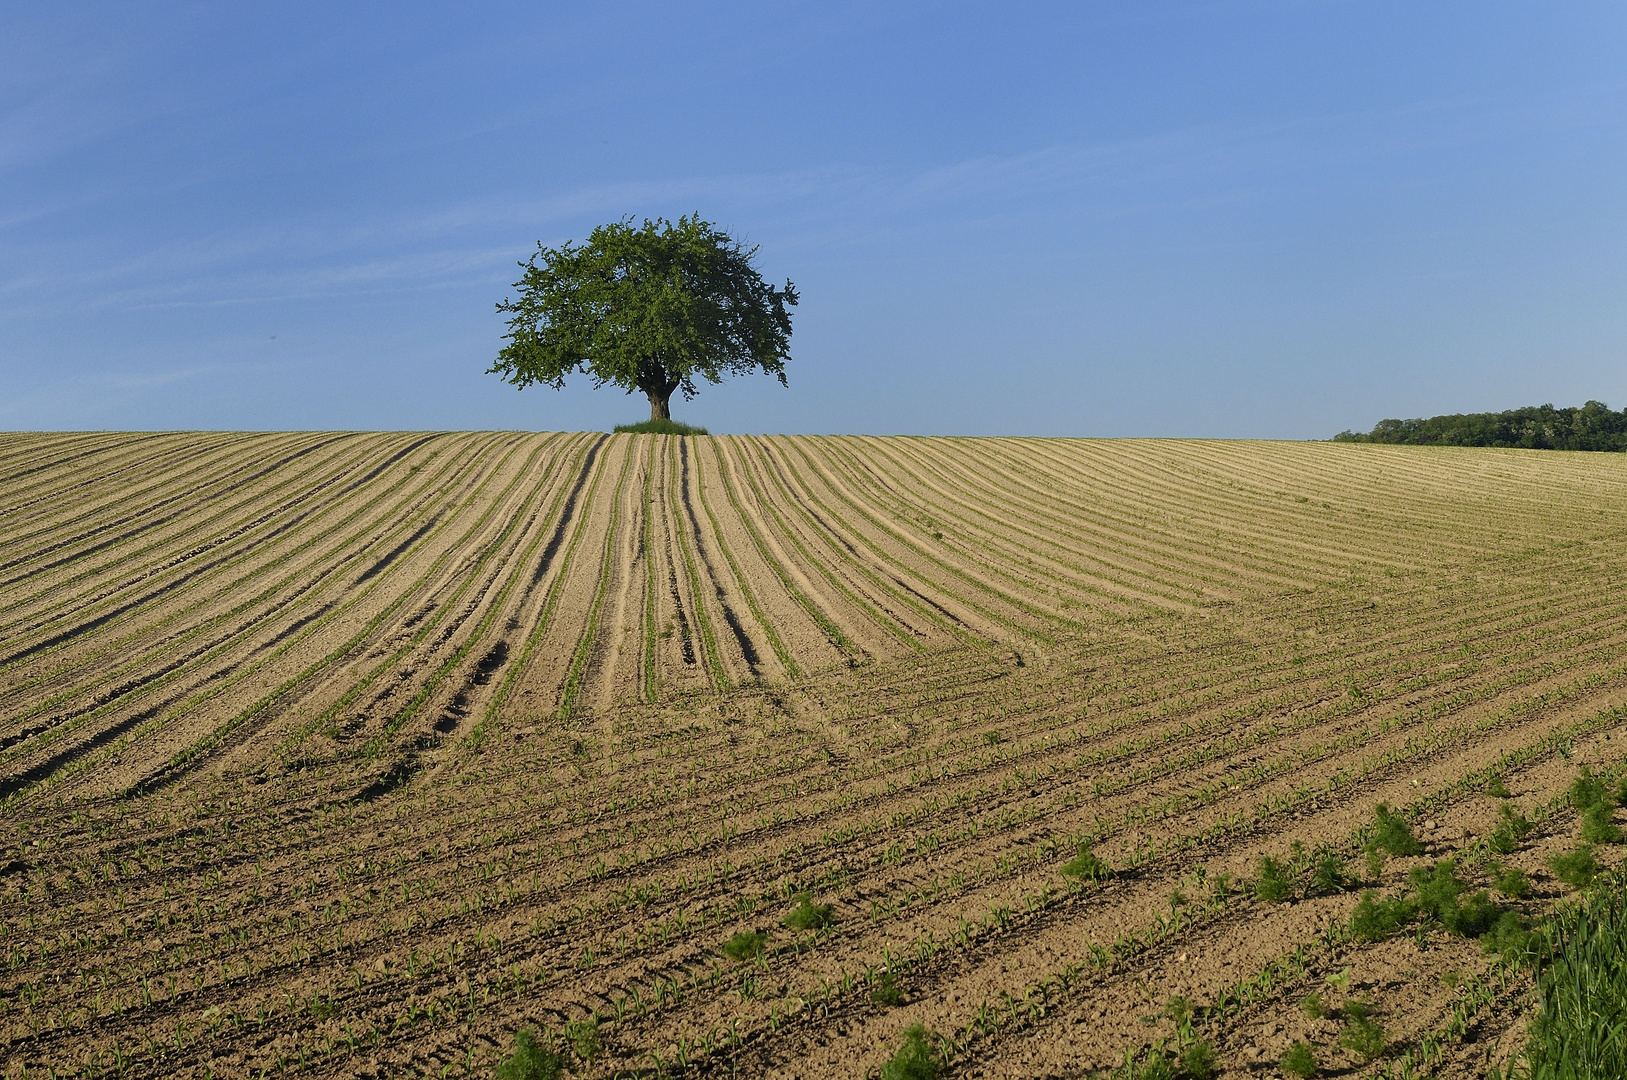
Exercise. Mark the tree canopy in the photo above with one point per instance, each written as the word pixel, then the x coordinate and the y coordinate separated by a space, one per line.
pixel 650 308
pixel 1594 426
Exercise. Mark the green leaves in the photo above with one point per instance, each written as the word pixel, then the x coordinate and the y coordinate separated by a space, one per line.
pixel 1375 919
pixel 1597 804
pixel 1576 867
pixel 1299 1061
pixel 1362 1034
pixel 530 1060
pixel 650 308
pixel 808 915
pixel 1086 866
pixel 1581 1028
pixel 1512 828
pixel 1271 881
pixel 915 1059
pixel 745 945
pixel 1391 833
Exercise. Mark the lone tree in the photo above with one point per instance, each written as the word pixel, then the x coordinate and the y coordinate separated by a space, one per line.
pixel 648 308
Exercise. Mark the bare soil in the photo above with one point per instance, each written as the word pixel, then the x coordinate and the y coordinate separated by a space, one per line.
pixel 353 754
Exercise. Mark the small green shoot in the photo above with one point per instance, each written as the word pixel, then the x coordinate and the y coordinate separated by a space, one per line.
pixel 1179 1010
pixel 1199 1060
pixel 1576 867
pixel 886 992
pixel 808 915
pixel 1498 788
pixel 1271 882
pixel 1362 1034
pixel 1298 1061
pixel 530 1060
pixel 583 1035
pixel 745 945
pixel 1392 833
pixel 1510 881
pixel 1085 866
pixel 914 1060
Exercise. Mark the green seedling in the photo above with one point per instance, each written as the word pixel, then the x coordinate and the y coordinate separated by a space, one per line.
pixel 1512 828
pixel 1511 881
pixel 1271 882
pixel 1199 1060
pixel 808 915
pixel 583 1036
pixel 886 992
pixel 1599 825
pixel 1179 1010
pixel 1498 788
pixel 1375 863
pixel 745 945
pixel 1298 1061
pixel 1510 936
pixel 1362 1034
pixel 1085 866
pixel 1440 895
pixel 914 1059
pixel 1150 1064
pixel 1375 919
pixel 1587 790
pixel 1392 833
pixel 530 1060
pixel 1576 867
pixel 1329 875
pixel 1314 1008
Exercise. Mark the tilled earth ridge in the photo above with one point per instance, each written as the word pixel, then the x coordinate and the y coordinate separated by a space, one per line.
pixel 413 740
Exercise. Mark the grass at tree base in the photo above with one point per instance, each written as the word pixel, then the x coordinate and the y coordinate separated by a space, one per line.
pixel 659 427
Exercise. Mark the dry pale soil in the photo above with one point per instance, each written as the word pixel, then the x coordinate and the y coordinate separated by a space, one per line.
pixel 340 754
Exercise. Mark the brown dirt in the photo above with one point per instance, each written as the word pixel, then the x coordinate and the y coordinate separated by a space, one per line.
pixel 352 754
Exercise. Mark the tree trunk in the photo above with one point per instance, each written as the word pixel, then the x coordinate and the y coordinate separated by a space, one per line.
pixel 658 387
pixel 660 408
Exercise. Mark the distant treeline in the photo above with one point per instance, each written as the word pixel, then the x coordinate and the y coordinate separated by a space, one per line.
pixel 1536 427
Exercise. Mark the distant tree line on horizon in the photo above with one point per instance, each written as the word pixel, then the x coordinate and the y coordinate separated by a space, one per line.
pixel 1594 426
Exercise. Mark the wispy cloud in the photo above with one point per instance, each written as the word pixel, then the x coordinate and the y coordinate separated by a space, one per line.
pixel 832 205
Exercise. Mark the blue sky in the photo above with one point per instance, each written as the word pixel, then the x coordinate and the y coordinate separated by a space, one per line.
pixel 1245 219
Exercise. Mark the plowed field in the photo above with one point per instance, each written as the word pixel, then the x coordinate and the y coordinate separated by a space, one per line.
pixel 352 754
